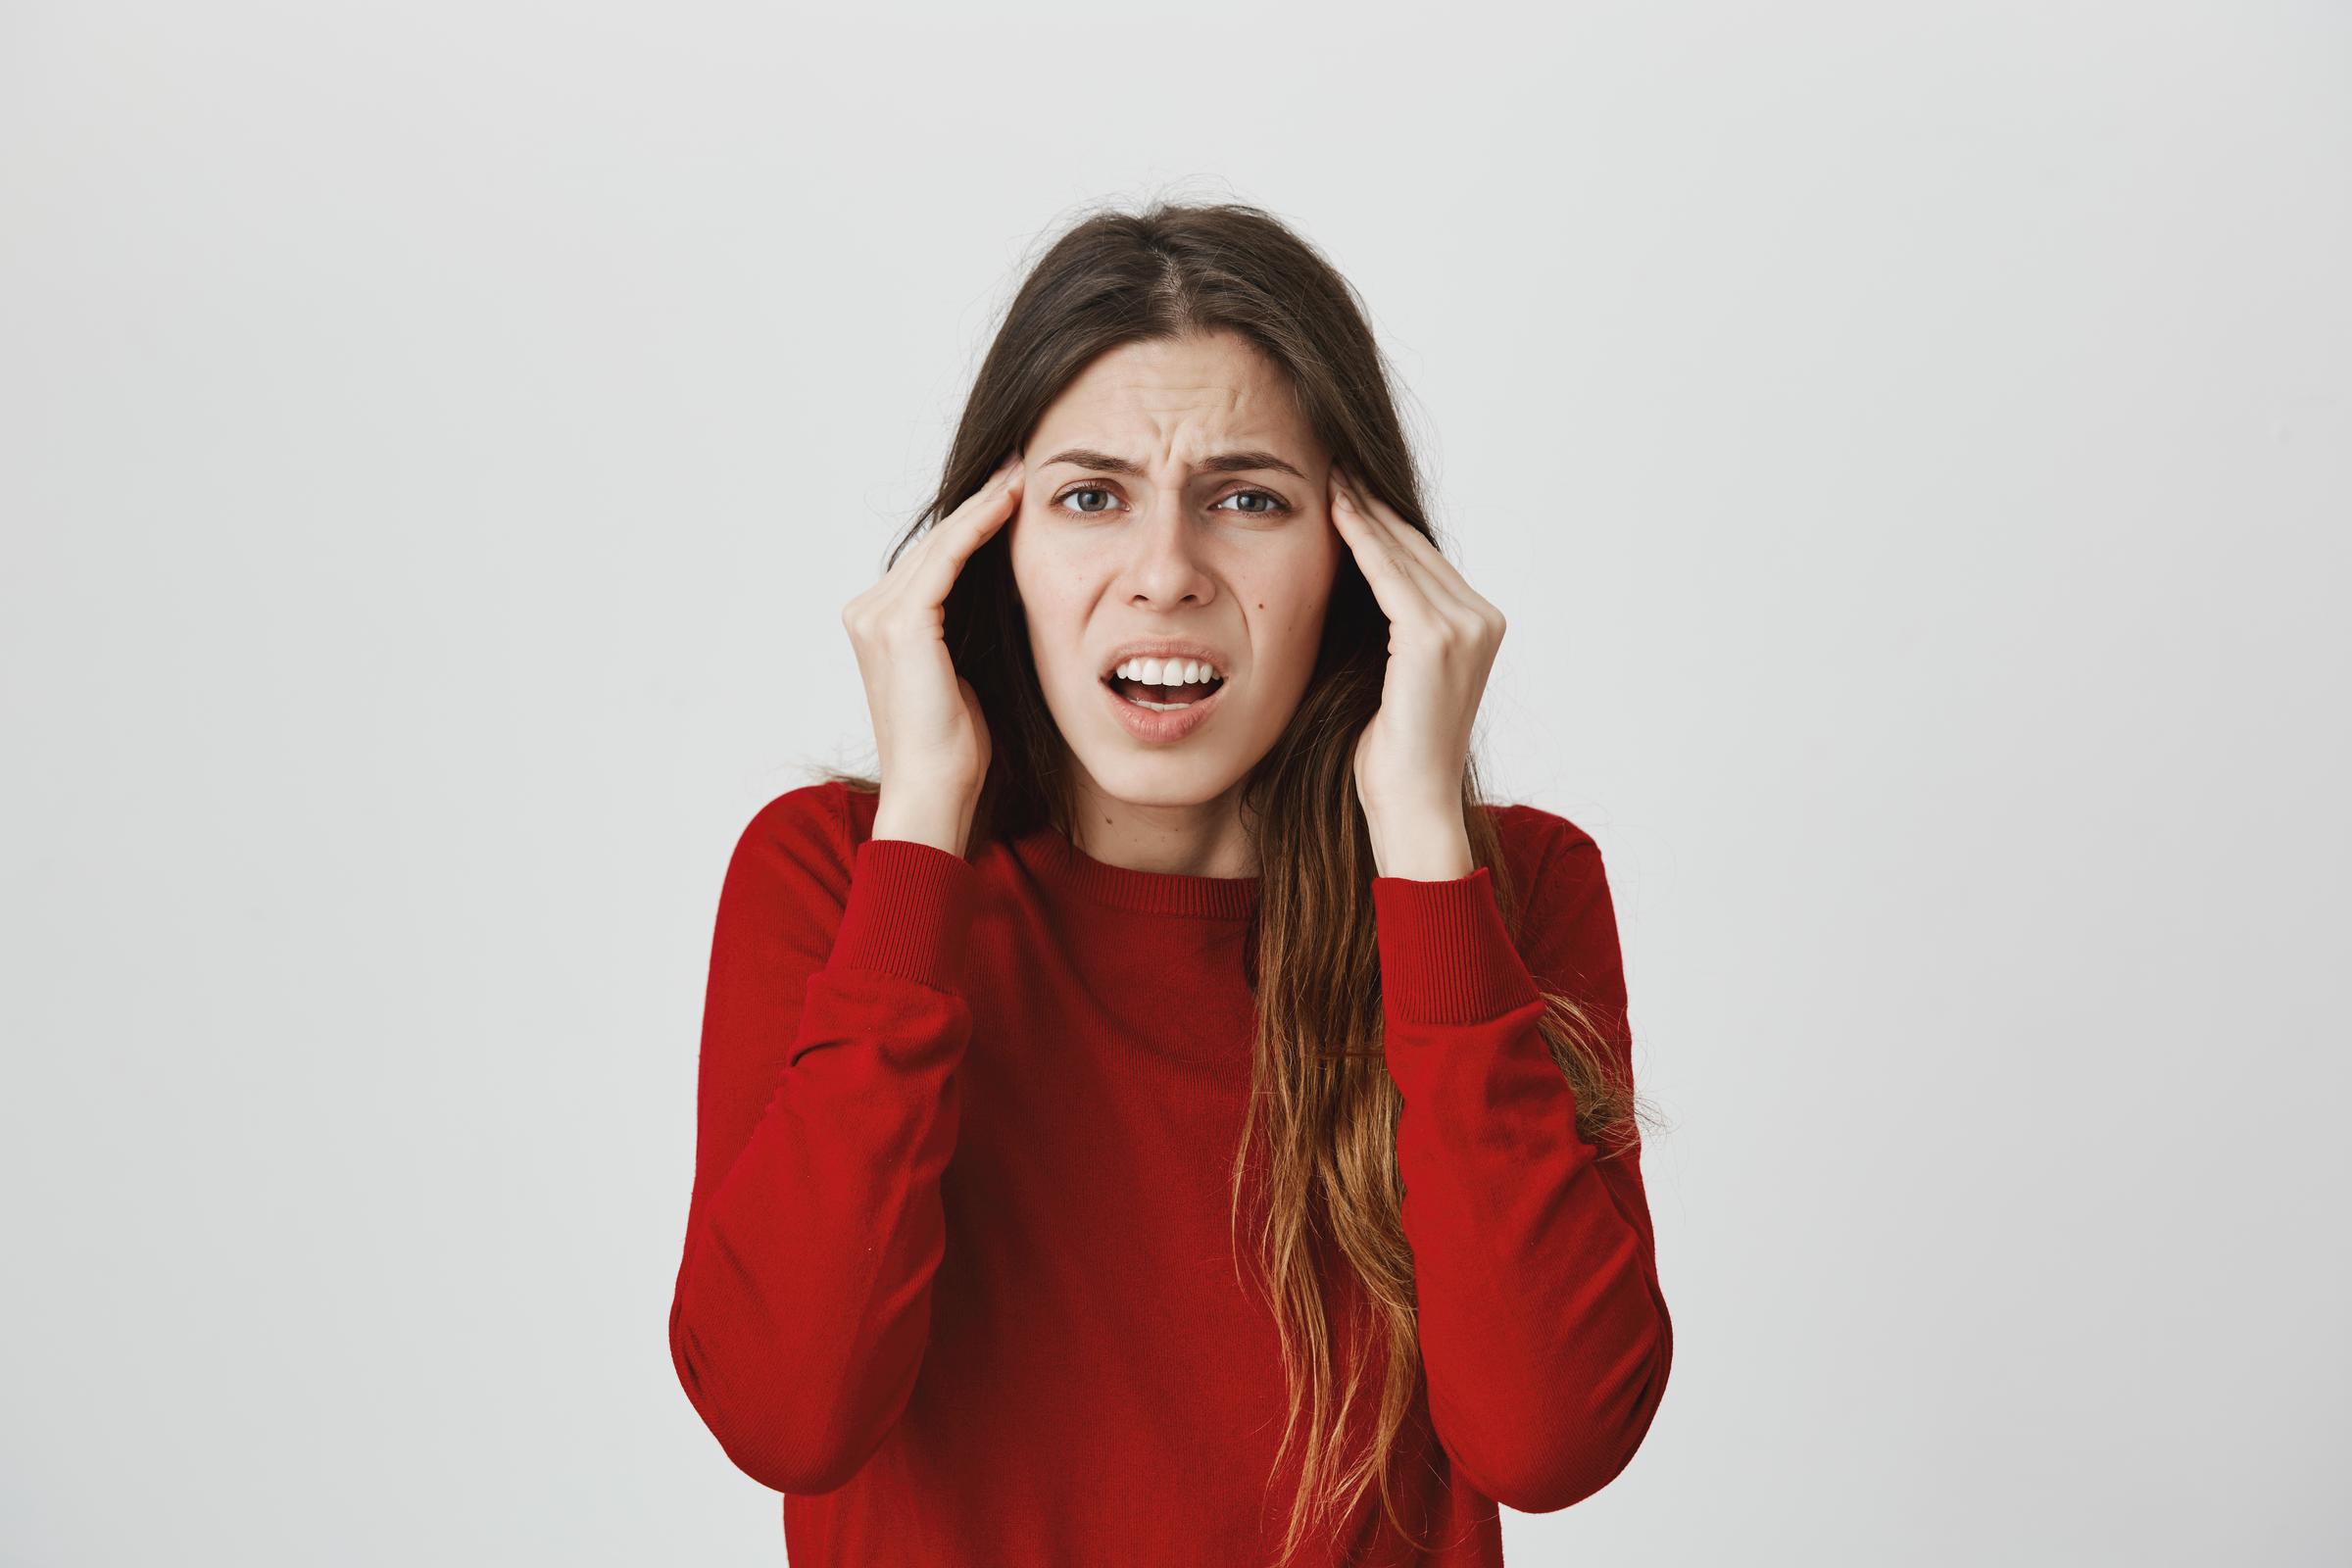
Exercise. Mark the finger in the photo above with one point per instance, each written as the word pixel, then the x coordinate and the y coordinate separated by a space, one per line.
pixel 1397 579
pixel 969 525
pixel 949 543
pixel 980 507
pixel 1444 581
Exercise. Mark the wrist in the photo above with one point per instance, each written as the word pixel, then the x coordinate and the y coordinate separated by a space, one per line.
pixel 1425 849
pixel 944 825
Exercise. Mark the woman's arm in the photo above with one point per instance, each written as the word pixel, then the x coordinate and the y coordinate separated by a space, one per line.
pixel 1543 1333
pixel 832 1028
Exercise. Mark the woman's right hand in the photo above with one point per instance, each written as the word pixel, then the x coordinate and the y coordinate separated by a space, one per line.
pixel 933 741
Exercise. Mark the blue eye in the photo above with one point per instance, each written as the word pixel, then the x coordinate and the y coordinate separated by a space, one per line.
pixel 1274 506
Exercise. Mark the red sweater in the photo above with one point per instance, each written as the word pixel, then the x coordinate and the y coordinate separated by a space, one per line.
pixel 957 1276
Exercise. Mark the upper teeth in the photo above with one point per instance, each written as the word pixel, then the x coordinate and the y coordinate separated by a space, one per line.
pixel 1166 671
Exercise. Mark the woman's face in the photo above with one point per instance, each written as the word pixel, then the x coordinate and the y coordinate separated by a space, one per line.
pixel 1173 491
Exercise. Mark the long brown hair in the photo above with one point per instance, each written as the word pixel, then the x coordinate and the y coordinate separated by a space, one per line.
pixel 1321 1126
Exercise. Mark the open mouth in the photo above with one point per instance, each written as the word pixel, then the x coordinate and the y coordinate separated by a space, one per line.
pixel 1164 699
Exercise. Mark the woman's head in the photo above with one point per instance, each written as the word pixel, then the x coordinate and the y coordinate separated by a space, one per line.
pixel 1175 494
pixel 1165 339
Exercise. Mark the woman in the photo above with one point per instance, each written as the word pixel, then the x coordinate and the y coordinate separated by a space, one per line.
pixel 1175 914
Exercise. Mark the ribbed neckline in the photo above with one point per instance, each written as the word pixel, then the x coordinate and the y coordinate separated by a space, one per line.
pixel 1060 864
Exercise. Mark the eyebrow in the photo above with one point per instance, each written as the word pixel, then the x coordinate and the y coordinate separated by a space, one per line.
pixel 1221 463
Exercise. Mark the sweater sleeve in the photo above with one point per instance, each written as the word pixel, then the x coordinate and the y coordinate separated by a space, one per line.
pixel 833 1024
pixel 1545 1337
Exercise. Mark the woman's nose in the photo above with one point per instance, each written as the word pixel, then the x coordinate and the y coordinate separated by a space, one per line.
pixel 1164 549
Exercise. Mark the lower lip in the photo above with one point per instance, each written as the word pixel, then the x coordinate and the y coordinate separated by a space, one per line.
pixel 1161 728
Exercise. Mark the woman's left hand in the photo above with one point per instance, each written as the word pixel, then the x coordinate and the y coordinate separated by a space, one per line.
pixel 1443 638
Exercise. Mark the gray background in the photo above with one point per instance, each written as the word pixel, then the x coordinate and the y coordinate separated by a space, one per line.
pixel 1910 443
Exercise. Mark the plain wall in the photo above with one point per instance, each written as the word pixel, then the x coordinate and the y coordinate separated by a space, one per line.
pixel 1910 445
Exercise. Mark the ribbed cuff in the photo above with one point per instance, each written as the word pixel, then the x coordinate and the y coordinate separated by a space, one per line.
pixel 1445 956
pixel 909 913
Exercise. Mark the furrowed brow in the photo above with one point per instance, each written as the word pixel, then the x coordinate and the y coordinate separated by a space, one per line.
pixel 1222 463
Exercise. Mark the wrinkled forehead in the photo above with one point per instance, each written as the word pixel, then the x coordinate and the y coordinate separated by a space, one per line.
pixel 1178 400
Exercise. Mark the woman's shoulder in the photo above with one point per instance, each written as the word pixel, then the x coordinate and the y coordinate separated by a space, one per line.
pixel 1555 870
pixel 1532 834
pixel 808 834
pixel 829 809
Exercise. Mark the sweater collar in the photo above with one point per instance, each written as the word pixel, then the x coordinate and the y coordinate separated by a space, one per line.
pixel 1058 862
